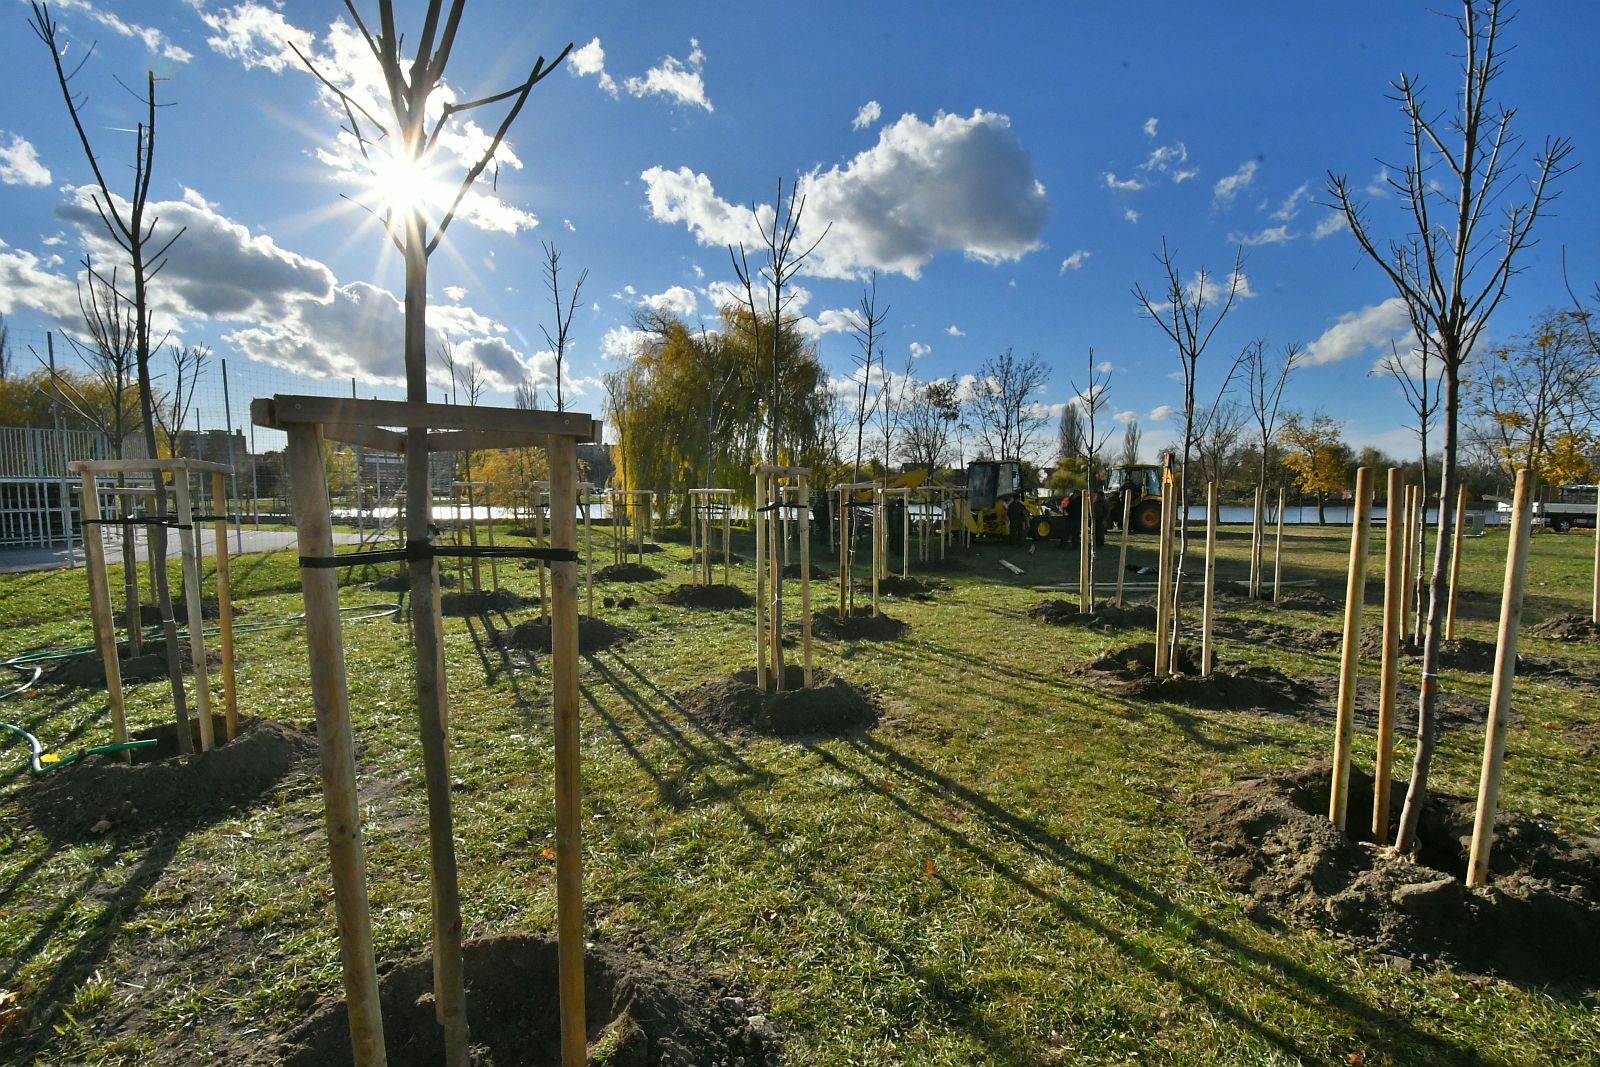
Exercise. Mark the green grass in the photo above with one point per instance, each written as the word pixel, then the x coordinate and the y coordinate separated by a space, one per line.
pixel 996 874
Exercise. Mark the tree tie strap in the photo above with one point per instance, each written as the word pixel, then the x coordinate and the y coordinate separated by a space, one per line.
pixel 425 550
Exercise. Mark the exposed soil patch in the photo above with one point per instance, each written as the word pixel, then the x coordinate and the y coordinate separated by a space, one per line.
pixel 1277 634
pixel 1568 628
pixel 910 588
pixel 860 625
pixel 1130 671
pixel 401 582
pixel 534 636
pixel 627 572
pixel 619 602
pixel 713 597
pixel 1450 709
pixel 482 602
pixel 150 614
pixel 87 672
pixel 640 1013
pixel 1105 618
pixel 817 573
pixel 830 706
pixel 1475 656
pixel 161 789
pixel 1269 837
pixel 734 559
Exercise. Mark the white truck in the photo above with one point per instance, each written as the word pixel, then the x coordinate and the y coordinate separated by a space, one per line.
pixel 1566 507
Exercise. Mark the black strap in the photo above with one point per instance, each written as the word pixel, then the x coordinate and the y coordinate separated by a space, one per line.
pixel 423 550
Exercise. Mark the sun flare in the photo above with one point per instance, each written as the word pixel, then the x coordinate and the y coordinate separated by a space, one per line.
pixel 403 185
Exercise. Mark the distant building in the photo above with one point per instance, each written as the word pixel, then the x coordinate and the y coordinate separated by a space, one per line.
pixel 37 505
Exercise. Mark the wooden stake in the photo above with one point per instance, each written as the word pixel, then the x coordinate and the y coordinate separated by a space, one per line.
pixel 1085 555
pixel 1277 554
pixel 539 513
pixel 192 600
pixel 1258 543
pixel 727 536
pixel 1595 595
pixel 1211 579
pixel 1419 535
pixel 494 563
pixel 569 779
pixel 331 697
pixel 1350 651
pixel 230 693
pixel 105 630
pixel 1505 673
pixel 879 518
pixel 1455 564
pixel 1163 585
pixel 761 582
pixel 1409 563
pixel 588 554
pixel 1394 593
pixel 805 575
pixel 843 529
pixel 1122 561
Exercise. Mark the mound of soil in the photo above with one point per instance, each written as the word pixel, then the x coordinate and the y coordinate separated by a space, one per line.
pixel 401 582
pixel 715 597
pixel 817 573
pixel 1473 655
pixel 910 588
pixel 828 625
pixel 161 789
pixel 150 614
pixel 87 672
pixel 1130 672
pixel 640 1013
pixel 734 559
pixel 1280 635
pixel 1105 618
pixel 482 602
pixel 830 706
pixel 1568 628
pixel 616 602
pixel 1269 837
pixel 1450 709
pixel 534 636
pixel 627 572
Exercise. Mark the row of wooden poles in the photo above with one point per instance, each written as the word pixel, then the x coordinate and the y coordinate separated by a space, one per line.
pixel 1403 514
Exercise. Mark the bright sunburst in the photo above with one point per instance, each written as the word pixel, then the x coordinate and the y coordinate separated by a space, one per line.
pixel 403 185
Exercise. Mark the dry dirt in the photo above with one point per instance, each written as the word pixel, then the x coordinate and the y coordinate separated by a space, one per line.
pixel 1130 672
pixel 711 597
pixel 828 625
pixel 534 636
pixel 1104 618
pixel 830 706
pixel 483 602
pixel 627 572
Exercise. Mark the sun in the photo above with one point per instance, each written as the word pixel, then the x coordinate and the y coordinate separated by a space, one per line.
pixel 403 185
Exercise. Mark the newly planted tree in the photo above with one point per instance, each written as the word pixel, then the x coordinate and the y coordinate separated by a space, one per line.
pixel 1265 378
pixel 1466 220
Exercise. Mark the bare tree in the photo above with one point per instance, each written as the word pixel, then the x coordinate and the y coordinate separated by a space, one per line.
pixel 176 400
pixel 5 348
pixel 930 422
pixel 1069 434
pixel 1422 395
pixel 1217 446
pixel 1536 389
pixel 896 393
pixel 404 141
pixel 868 329
pixel 1451 274
pixel 558 342
pixel 1004 408
pixel 1265 378
pixel 132 228
pixel 1130 442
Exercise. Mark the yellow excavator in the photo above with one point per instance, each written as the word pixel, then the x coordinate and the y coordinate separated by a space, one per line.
pixel 1143 480
pixel 991 486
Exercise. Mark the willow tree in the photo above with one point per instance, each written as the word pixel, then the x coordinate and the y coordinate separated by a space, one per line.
pixel 400 150
pixel 1466 218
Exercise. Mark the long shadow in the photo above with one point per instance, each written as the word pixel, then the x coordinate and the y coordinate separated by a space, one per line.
pixel 39 719
pixel 728 753
pixel 1379 1028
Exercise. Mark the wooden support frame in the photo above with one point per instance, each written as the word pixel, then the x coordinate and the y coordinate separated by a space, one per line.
pixel 904 493
pixel 704 503
pixel 1211 579
pixel 1394 593
pixel 302 418
pixel 769 529
pixel 846 492
pixel 1455 565
pixel 1122 559
pixel 1277 553
pixel 1350 650
pixel 629 507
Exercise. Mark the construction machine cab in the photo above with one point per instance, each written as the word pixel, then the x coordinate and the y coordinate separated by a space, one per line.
pixel 1143 481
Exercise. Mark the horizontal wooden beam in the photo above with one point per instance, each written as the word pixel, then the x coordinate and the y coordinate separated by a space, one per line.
pixel 286 410
pixel 145 466
pixel 374 437
pixel 782 472
pixel 482 440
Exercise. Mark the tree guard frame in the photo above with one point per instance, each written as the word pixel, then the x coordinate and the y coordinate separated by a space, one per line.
pixel 307 420
pixel 768 521
pixel 639 530
pixel 702 503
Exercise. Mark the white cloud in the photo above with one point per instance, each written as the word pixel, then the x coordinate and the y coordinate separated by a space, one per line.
pixel 1169 159
pixel 1329 225
pixel 256 35
pixel 26 283
pixel 832 320
pixel 154 40
pixel 19 164
pixel 1181 176
pixel 1123 185
pixel 622 342
pixel 677 301
pixel 1131 215
pixel 1360 331
pixel 1272 235
pixel 918 349
pixel 590 60
pixel 1379 185
pixel 870 113
pixel 1075 261
pixel 1125 417
pixel 958 183
pixel 955 331
pixel 1291 206
pixel 1161 413
pixel 455 292
pixel 676 79
pixel 1150 126
pixel 568 224
pixel 1226 189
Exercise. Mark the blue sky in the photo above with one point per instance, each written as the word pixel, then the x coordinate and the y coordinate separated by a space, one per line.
pixel 1010 170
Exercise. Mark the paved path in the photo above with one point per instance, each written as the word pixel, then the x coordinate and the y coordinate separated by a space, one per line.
pixel 43 559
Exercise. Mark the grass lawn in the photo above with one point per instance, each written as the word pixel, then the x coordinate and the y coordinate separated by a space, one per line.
pixel 997 873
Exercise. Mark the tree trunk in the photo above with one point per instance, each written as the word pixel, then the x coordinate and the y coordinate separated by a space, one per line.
pixel 1258 530
pixel 1438 595
pixel 1322 509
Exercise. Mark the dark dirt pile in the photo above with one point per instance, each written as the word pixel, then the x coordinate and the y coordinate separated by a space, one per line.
pixel 150 614
pixel 1538 920
pixel 1129 671
pixel 627 572
pixel 829 625
pixel 482 602
pixel 1277 634
pixel 734 559
pixel 817 573
pixel 163 790
pixel 830 706
pixel 1107 617
pixel 534 636
pixel 619 602
pixel 1450 709
pixel 401 582
pixel 1568 628
pixel 910 588
pixel 1474 656
pixel 715 597
pixel 87 672
pixel 641 1013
